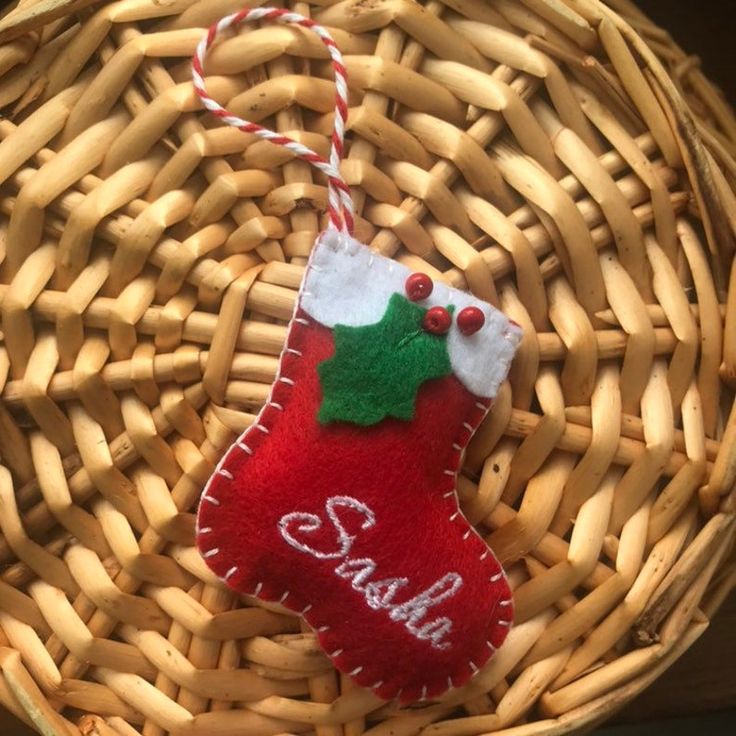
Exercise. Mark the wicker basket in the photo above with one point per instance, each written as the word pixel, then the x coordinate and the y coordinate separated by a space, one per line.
pixel 537 153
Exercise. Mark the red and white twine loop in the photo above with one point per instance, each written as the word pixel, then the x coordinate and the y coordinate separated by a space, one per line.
pixel 340 202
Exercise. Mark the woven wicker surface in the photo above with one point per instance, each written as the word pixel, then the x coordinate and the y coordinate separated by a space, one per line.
pixel 537 153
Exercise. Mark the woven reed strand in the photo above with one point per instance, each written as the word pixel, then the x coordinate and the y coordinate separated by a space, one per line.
pixel 562 159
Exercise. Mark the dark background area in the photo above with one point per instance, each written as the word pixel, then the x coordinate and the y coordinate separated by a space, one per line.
pixel 706 28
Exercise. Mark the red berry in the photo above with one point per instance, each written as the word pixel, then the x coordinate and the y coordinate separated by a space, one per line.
pixel 418 286
pixel 437 321
pixel 470 320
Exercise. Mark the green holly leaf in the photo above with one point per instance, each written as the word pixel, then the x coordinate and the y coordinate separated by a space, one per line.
pixel 377 369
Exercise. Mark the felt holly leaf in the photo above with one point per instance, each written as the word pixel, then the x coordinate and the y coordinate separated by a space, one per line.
pixel 377 369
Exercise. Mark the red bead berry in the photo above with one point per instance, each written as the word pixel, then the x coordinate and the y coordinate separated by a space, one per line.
pixel 437 321
pixel 470 320
pixel 418 286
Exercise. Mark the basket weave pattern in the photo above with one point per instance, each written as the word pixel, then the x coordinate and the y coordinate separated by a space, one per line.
pixel 561 159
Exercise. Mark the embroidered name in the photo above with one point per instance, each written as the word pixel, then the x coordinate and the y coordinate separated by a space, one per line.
pixel 296 527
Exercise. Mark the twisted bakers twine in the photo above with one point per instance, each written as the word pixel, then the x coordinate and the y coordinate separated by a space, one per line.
pixel 340 202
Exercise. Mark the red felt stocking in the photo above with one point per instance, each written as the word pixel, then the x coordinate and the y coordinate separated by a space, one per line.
pixel 339 502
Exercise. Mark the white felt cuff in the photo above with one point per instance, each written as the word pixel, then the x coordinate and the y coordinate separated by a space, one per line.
pixel 348 284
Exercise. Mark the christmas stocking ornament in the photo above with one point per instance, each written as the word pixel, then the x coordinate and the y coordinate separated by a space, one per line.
pixel 339 502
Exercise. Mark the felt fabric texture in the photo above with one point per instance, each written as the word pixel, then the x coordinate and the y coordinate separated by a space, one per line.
pixel 275 485
pixel 358 527
pixel 377 369
pixel 350 285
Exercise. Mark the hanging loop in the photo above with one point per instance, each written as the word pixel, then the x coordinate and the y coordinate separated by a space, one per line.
pixel 340 201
